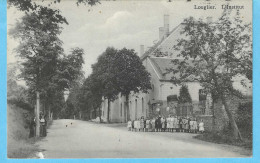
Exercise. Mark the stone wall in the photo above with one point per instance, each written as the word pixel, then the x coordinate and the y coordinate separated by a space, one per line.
pixel 219 114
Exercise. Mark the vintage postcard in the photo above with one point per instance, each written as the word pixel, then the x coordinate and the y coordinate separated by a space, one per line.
pixel 129 79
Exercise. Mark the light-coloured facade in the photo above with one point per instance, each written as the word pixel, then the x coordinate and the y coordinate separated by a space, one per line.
pixel 156 100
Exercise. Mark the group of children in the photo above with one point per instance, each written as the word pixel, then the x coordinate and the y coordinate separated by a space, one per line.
pixel 170 124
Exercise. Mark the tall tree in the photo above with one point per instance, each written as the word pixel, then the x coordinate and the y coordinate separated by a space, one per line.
pixel 46 70
pixel 39 48
pixel 105 75
pixel 130 74
pixel 93 94
pixel 213 54
pixel 120 72
pixel 68 75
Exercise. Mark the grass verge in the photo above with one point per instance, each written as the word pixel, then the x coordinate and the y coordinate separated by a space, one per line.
pixel 223 138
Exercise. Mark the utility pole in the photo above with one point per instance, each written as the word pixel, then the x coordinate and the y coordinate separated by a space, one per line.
pixel 37 114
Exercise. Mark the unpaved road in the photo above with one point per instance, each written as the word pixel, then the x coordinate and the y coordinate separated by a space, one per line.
pixel 83 139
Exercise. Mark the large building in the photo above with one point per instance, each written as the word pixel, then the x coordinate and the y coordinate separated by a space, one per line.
pixel 162 98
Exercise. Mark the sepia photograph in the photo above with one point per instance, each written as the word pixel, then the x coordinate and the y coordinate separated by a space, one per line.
pixel 129 79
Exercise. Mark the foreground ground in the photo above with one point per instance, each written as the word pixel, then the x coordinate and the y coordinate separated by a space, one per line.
pixel 81 139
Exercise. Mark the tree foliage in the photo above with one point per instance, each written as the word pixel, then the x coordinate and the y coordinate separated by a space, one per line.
pixel 45 67
pixel 213 54
pixel 30 5
pixel 16 94
pixel 104 73
pixel 184 95
pixel 116 71
pixel 39 46
pixel 131 75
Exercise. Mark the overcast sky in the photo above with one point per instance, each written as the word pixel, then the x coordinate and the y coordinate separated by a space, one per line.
pixel 120 24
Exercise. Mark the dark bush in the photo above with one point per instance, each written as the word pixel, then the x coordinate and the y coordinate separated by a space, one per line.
pixel 244 119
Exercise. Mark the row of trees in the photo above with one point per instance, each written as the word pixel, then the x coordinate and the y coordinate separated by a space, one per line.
pixel 116 71
pixel 45 68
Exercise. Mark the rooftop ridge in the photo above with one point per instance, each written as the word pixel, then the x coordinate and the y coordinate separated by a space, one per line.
pixel 154 47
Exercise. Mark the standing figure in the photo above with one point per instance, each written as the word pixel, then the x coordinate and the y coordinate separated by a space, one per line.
pixel 32 127
pixel 159 124
pixel 201 126
pixel 42 124
pixel 129 125
pixel 163 124
pixel 176 124
pixel 195 125
pixel 184 124
pixel 45 126
pixel 189 124
pixel 138 125
pixel 147 125
pixel 153 124
pixel 180 125
pixel 171 123
pixel 168 123
pixel 142 123
pixel 133 125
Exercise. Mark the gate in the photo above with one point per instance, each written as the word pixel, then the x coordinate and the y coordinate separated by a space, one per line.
pixel 184 109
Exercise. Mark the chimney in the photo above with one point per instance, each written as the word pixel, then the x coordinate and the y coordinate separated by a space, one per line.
pixel 141 50
pixel 209 20
pixel 161 32
pixel 166 25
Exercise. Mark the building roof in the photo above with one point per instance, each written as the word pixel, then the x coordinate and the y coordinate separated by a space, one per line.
pixel 162 64
pixel 166 43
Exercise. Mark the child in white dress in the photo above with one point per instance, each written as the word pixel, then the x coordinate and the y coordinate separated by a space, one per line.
pixel 201 126
pixel 147 122
pixel 195 125
pixel 129 125
pixel 171 123
pixel 191 125
pixel 135 125
pixel 168 123
pixel 138 125
pixel 153 124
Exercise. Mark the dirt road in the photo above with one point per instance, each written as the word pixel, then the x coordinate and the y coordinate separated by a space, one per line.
pixel 81 139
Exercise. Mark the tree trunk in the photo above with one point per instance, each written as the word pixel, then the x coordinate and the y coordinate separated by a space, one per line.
pixel 235 130
pixel 80 115
pixel 37 114
pixel 51 115
pixel 108 110
pixel 99 114
pixel 127 107
pixel 95 112
pixel 213 115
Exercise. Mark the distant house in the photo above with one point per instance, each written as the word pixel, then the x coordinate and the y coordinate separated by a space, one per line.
pixel 162 98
